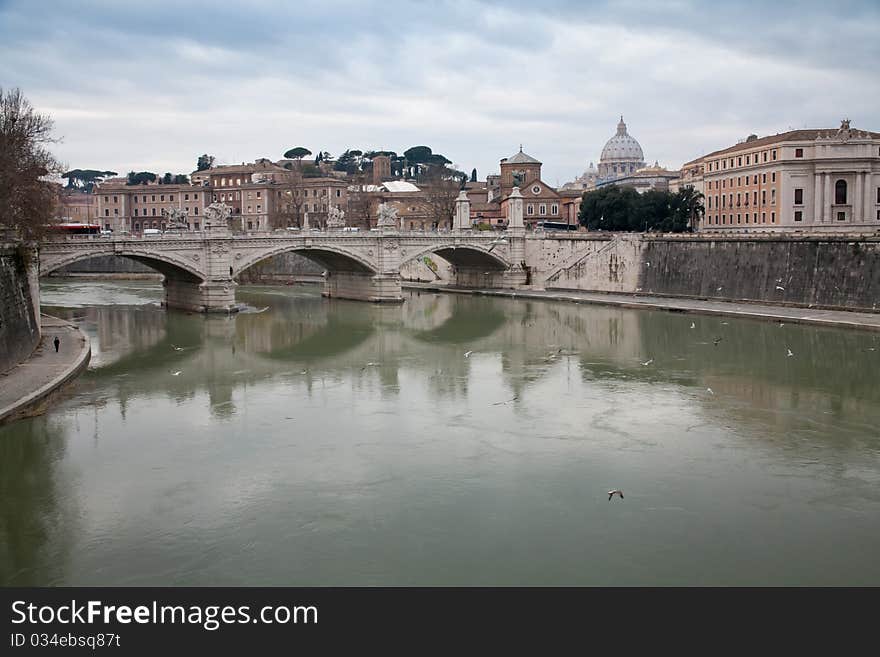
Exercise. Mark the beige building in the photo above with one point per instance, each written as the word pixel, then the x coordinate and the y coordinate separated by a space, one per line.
pixel 75 206
pixel 133 208
pixel 654 178
pixel 799 180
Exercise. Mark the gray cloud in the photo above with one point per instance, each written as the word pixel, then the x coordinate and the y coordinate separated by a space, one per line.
pixel 152 86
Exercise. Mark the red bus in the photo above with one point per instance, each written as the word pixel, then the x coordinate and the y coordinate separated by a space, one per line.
pixel 75 229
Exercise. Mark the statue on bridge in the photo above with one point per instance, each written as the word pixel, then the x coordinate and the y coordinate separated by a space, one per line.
pixel 217 216
pixel 175 218
pixel 387 216
pixel 335 217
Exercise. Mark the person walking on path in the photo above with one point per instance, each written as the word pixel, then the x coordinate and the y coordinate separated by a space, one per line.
pixel 57 342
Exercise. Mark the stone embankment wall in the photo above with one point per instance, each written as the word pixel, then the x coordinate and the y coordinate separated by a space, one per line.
pixel 823 271
pixel 19 304
pixel 282 268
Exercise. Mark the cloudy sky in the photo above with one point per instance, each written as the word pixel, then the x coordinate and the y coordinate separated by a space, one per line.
pixel 151 85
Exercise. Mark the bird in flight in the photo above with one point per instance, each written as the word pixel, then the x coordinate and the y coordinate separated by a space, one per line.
pixel 789 354
pixel 177 373
pixel 467 354
pixel 710 391
pixel 693 325
pixel 614 492
pixel 648 362
pixel 716 341
pixel 779 287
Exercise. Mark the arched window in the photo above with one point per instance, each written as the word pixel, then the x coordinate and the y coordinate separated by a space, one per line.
pixel 840 192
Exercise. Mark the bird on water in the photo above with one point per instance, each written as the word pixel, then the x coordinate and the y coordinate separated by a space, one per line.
pixel 614 492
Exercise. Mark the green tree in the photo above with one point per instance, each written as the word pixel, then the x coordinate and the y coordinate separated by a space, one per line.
pixel 85 179
pixel 27 198
pixel 297 153
pixel 688 209
pixel 181 179
pixel 167 178
pixel 205 162
pixel 140 178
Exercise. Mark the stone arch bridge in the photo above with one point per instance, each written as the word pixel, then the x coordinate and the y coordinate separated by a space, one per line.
pixel 200 268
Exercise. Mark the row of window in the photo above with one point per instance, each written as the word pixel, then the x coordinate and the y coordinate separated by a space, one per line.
pixel 728 182
pixel 134 198
pixel 154 214
pixel 721 220
pixel 750 158
pixel 156 224
pixel 727 200
pixel 542 209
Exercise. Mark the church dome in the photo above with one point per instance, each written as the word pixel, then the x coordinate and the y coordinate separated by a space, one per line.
pixel 621 147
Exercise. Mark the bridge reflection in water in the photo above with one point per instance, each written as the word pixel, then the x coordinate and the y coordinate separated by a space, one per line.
pixel 332 442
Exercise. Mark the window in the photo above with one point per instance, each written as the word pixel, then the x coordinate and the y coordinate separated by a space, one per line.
pixel 773 155
pixel 739 181
pixel 542 209
pixel 723 201
pixel 840 193
pixel 738 199
pixel 258 208
pixel 237 182
pixel 763 217
pixel 116 211
pixel 171 198
pixel 258 194
pixel 153 198
pixel 763 177
pixel 186 197
pixel 710 202
pixel 763 197
pixel 798 215
pixel 841 216
pixel 196 224
pixel 765 156
pixel 755 179
pixel 739 161
pixel 773 176
pixel 772 217
pixel 530 209
pixel 137 227
pixel 754 198
pixel 145 199
pixel 338 193
pixel 798 196
pixel 106 212
pixel 154 211
pixel 135 212
pixel 554 209
pixel 314 207
pixel 772 196
pixel 196 211
pixel 250 225
pixel 249 209
pixel 747 159
pixel 738 217
pixel 798 152
pixel 723 184
pixel 162 197
pixel 223 182
pixel 878 194
pixel 116 199
pixel 723 218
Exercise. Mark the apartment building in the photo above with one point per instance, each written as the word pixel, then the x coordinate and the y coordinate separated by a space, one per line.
pixel 811 180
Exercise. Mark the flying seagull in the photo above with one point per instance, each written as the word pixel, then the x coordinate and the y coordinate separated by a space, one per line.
pixel 779 287
pixel 716 341
pixel 789 354
pixel 614 492
pixel 693 325
pixel 648 362
pixel 177 373
pixel 467 354
pixel 710 391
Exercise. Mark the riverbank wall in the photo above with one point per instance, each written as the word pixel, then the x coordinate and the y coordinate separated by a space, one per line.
pixel 836 272
pixel 19 304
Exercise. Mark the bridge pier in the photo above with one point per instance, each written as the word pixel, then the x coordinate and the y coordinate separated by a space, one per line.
pixel 363 286
pixel 200 296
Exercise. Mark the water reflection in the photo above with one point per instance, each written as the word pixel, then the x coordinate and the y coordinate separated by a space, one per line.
pixel 335 442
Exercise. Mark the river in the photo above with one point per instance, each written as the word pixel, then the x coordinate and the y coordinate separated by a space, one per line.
pixel 451 440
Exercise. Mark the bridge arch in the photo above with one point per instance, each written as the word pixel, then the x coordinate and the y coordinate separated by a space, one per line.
pixel 167 264
pixel 467 256
pixel 332 258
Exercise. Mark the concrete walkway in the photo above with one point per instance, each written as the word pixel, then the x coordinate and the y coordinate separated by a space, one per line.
pixel 27 388
pixel 795 315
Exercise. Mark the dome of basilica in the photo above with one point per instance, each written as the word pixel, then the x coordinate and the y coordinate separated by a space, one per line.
pixel 621 156
pixel 622 148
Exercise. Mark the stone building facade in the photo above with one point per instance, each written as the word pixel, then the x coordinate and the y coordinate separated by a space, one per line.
pixel 810 180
